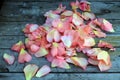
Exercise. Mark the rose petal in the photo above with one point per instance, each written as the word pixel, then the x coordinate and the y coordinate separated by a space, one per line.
pixel 89 41
pixel 93 61
pixel 24 56
pixel 9 58
pixel 41 52
pixel 81 62
pixel 67 40
pixel 18 46
pixel 103 67
pixel 103 55
pixel 34 48
pixel 44 70
pixel 30 70
pixel 67 13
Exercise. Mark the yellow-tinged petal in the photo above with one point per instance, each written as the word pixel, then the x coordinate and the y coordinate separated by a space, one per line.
pixel 30 70
pixel 89 41
pixel 81 62
pixel 103 55
pixel 103 67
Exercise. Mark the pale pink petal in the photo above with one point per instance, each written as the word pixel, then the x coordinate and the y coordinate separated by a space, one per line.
pixel 50 36
pixel 24 56
pixel 103 55
pixel 67 40
pixel 9 58
pixel 44 70
pixel 30 70
pixel 33 27
pixel 103 67
pixel 88 15
pixel 93 61
pixel 61 63
pixel 89 41
pixel 77 20
pixel 81 62
pixel 41 52
pixel 99 34
pixel 67 13
pixel 34 48
pixel 56 36
pixel 54 51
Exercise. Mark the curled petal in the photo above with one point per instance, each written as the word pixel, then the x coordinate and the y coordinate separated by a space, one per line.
pixel 24 56
pixel 30 70
pixel 103 55
pixel 105 45
pixel 93 61
pixel 103 67
pixel 9 58
pixel 18 46
pixel 44 70
pixel 81 62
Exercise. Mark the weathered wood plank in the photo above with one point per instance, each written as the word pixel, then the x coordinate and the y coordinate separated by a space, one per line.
pixel 61 0
pixel 8 41
pixel 108 10
pixel 15 28
pixel 17 67
pixel 61 76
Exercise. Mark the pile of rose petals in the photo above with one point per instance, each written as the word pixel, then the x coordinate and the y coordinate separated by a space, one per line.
pixel 62 37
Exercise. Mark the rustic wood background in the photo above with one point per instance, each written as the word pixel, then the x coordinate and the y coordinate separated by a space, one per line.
pixel 14 14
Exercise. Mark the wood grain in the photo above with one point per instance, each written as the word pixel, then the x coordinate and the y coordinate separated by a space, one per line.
pixel 108 10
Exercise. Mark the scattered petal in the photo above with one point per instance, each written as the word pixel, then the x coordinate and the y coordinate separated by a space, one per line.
pixel 44 70
pixel 30 70
pixel 9 58
pixel 103 67
pixel 41 52
pixel 24 56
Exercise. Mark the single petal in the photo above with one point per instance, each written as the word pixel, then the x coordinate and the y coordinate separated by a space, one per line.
pixel 44 70
pixel 89 41
pixel 18 46
pixel 74 5
pixel 30 70
pixel 24 56
pixel 105 45
pixel 81 62
pixel 67 40
pixel 88 15
pixel 103 55
pixel 77 20
pixel 61 63
pixel 41 52
pixel 84 5
pixel 56 36
pixel 34 48
pixel 50 35
pixel 54 51
pixel 33 27
pixel 67 13
pixel 99 34
pixel 103 67
pixel 9 58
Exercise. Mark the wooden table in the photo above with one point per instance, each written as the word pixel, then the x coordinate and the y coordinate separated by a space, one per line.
pixel 14 16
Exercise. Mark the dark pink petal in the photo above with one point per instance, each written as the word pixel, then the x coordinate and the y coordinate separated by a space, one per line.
pixel 84 5
pixel 18 46
pixel 30 70
pixel 44 70
pixel 9 58
pixel 24 56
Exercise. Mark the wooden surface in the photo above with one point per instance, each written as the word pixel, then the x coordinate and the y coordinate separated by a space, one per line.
pixel 14 16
